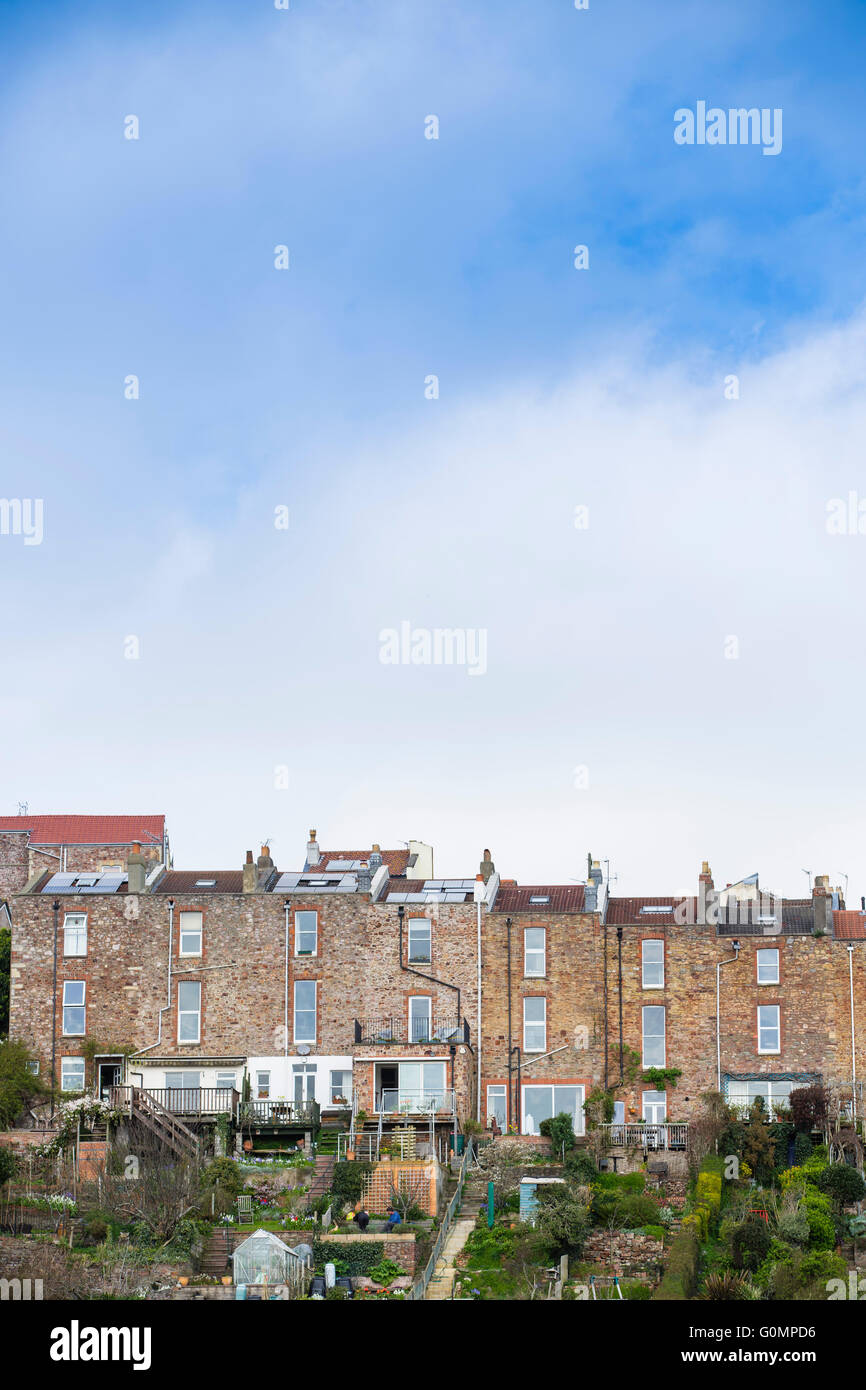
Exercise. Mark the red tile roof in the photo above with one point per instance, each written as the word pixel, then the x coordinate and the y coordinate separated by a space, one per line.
pixel 564 897
pixel 184 881
pixel 87 830
pixel 627 911
pixel 396 859
pixel 849 925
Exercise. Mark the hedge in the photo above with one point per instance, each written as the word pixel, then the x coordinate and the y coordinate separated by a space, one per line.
pixel 681 1270
pixel 708 1198
pixel 357 1256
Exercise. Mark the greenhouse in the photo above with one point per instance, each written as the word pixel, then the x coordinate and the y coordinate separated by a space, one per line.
pixel 264 1259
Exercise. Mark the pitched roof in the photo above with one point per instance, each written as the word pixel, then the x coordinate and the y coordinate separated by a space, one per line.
pixel 628 911
pixel 563 897
pixel 87 830
pixel 396 859
pixel 849 925
pixel 195 881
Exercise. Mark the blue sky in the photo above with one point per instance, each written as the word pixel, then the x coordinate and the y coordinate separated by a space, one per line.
pixel 259 648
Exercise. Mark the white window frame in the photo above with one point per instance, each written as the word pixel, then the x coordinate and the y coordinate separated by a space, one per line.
pixel 263 1088
pixel 531 955
pixel 344 1091
pixel 74 924
pixel 64 1061
pixel 75 1004
pixel 535 1022
pixel 767 951
pixel 182 1013
pixel 554 1086
pixel 648 1037
pixel 224 1085
pixel 414 1001
pixel 425 923
pixel 194 932
pixel 648 965
pixel 304 932
pixel 297 1012
pixel 499 1091
pixel 770 1028
pixel 652 1100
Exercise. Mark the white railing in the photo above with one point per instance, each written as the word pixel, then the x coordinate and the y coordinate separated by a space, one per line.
pixel 664 1136
pixel 401 1102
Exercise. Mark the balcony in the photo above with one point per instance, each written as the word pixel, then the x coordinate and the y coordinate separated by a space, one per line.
pixel 279 1114
pixel 192 1102
pixel 402 1102
pixel 649 1137
pixel 417 1030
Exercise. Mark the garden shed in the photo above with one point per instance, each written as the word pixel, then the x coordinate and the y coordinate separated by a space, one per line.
pixel 264 1259
pixel 529 1196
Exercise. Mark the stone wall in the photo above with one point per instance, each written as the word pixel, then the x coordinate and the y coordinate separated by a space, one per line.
pixel 626 1253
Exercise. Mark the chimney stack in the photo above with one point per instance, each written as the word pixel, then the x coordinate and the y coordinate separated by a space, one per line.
pixel 705 876
pixel 487 866
pixel 374 863
pixel 822 904
pixel 136 867
pixel 365 878
pixel 590 892
pixel 250 875
pixel 313 855
pixel 264 860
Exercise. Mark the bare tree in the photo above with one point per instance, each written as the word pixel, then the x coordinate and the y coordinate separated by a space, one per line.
pixel 143 1180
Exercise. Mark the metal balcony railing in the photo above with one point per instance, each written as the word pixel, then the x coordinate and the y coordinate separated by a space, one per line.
pixel 417 1030
pixel 436 1101
pixel 664 1136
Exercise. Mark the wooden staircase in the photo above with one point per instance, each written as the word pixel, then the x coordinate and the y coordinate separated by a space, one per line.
pixel 141 1107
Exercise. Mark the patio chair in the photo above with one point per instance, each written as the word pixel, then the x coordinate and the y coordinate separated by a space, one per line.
pixel 245 1206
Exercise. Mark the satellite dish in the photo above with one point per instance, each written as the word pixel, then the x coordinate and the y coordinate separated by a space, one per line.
pixel 303 1050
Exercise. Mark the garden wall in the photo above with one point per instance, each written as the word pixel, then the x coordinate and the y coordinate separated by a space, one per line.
pixel 629 1253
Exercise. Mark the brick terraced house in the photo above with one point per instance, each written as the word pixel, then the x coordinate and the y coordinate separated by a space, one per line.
pixel 350 991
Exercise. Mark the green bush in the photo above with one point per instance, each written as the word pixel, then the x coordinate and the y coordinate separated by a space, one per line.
pixel 560 1132
pixel 580 1168
pixel 620 1182
pixel 355 1257
pixel 750 1241
pixel 347 1183
pixel 18 1085
pixel 628 1211
pixel 8 1164
pixel 385 1272
pixel 224 1173
pixel 842 1183
pixel 681 1268
pixel 802 1148
pixel 822 1230
pixel 805 1276
pixel 794 1227
pixel 654 1232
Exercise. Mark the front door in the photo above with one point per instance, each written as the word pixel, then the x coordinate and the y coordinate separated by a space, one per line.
pixel 109 1075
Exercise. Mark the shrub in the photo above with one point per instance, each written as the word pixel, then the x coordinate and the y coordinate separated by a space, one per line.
pixel 561 1218
pixel 809 1107
pixel 355 1257
pixel 627 1211
pixel 725 1286
pixel 681 1268
pixel 842 1183
pixel 348 1181
pixel 224 1173
pixel 96 1229
pixel 802 1147
pixel 579 1167
pixel 750 1241
pixel 822 1230
pixel 8 1164
pixel 18 1085
pixel 794 1227
pixel 560 1131
pixel 654 1232
pixel 805 1276
pixel 385 1271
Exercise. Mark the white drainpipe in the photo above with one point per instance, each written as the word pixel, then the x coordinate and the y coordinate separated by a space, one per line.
pixel 167 1006
pixel 853 1048
pixel 286 996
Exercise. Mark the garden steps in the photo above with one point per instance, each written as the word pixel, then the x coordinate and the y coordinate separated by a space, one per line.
pixel 441 1285
pixel 215 1258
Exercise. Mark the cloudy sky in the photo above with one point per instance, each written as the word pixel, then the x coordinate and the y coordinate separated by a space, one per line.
pixel 674 646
